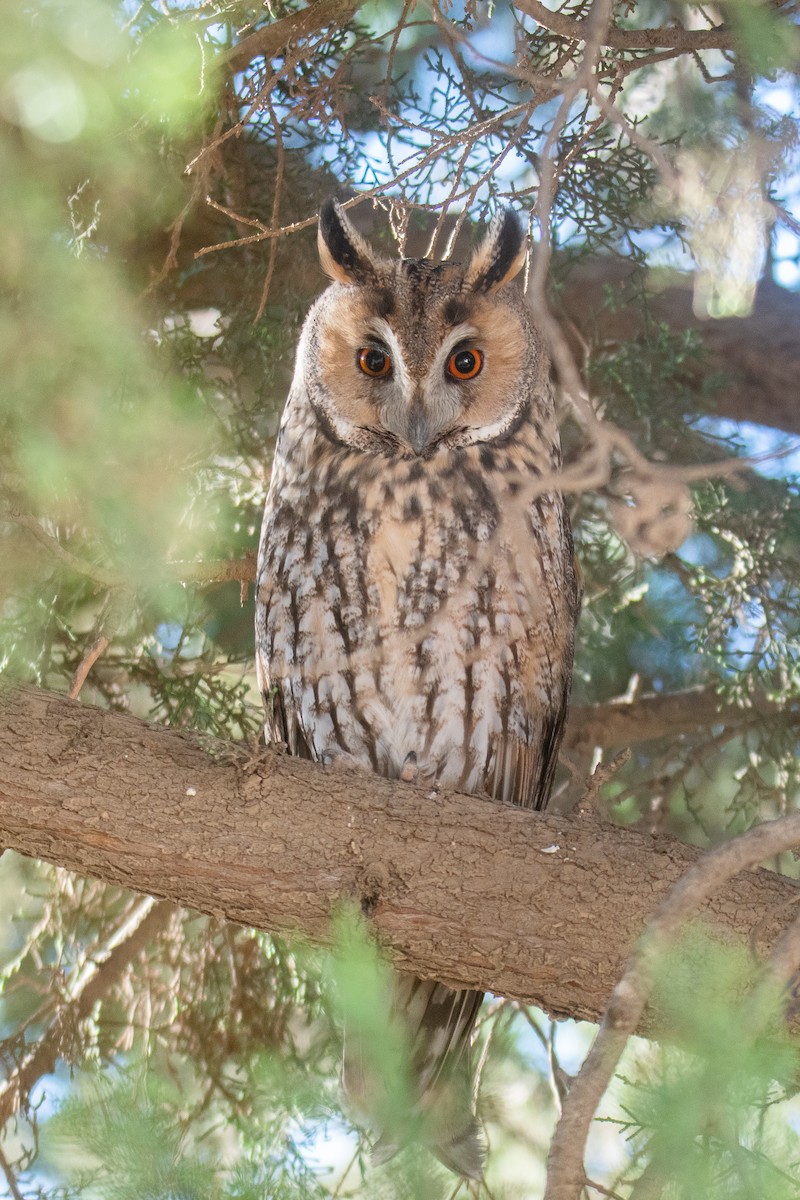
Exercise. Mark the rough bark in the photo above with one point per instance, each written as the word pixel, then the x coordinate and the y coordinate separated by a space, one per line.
pixel 536 906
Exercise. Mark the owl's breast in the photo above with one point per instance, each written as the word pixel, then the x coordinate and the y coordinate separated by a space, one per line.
pixel 409 613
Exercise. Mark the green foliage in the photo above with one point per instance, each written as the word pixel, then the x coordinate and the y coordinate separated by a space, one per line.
pixel 768 43
pixel 98 429
pixel 710 1107
pixel 122 1141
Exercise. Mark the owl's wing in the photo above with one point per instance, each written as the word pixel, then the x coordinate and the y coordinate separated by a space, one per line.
pixel 282 725
pixel 522 772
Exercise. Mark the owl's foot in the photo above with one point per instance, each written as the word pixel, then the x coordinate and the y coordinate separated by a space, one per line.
pixel 409 772
pixel 340 760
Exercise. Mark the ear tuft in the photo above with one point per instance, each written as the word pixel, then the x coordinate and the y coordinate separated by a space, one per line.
pixel 500 255
pixel 344 254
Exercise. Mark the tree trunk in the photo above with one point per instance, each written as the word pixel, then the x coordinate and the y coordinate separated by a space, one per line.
pixel 540 907
pixel 758 356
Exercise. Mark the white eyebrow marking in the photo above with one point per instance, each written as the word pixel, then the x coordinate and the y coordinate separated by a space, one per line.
pixel 460 333
pixel 383 331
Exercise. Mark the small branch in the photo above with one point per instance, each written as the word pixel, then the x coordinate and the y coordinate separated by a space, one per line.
pixel 98 647
pixel 667 37
pixel 13 1187
pixel 276 207
pixel 80 565
pixel 649 717
pixel 269 41
pixel 565 1170
pixel 146 922
pixel 242 570
pixel 601 775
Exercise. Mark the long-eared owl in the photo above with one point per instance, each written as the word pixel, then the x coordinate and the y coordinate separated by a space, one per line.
pixel 417 594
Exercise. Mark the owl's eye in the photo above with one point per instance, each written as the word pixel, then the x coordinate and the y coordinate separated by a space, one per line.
pixel 374 362
pixel 464 364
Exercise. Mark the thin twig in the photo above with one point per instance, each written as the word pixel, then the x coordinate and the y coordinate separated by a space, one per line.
pixel 147 921
pixel 10 1178
pixel 565 1170
pixel 98 647
pixel 276 208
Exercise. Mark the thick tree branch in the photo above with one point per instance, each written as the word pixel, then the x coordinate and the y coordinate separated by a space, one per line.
pixel 535 906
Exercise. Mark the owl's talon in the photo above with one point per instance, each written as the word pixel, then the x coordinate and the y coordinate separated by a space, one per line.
pixel 340 760
pixel 410 771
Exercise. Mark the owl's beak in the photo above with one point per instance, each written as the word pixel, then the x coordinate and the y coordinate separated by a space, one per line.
pixel 419 430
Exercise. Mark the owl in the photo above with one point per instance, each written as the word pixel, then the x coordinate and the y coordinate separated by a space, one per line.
pixel 416 592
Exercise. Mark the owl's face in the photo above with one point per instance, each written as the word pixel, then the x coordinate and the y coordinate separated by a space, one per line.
pixel 408 357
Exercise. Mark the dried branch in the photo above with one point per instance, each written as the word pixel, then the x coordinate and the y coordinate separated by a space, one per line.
pixel 98 647
pixel 565 1170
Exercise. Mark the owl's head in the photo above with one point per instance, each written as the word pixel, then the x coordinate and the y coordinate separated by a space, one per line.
pixel 408 357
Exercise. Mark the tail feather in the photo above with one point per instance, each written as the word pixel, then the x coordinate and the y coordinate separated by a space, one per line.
pixel 465 1154
pixel 438 1023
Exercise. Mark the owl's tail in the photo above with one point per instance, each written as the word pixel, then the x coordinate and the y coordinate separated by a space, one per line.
pixel 437 1025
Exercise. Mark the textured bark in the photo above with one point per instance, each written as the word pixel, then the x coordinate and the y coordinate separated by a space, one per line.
pixel 536 906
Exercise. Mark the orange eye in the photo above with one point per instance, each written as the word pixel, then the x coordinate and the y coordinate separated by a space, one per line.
pixel 374 362
pixel 464 364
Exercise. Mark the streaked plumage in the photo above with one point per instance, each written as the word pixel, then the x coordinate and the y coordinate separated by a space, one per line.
pixel 416 596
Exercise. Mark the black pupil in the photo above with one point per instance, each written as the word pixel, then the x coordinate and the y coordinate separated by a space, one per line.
pixel 464 362
pixel 375 360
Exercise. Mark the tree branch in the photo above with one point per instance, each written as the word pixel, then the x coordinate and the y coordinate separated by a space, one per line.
pixel 629 722
pixel 539 907
pixel 565 1170
pixel 135 936
pixel 272 38
pixel 668 37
